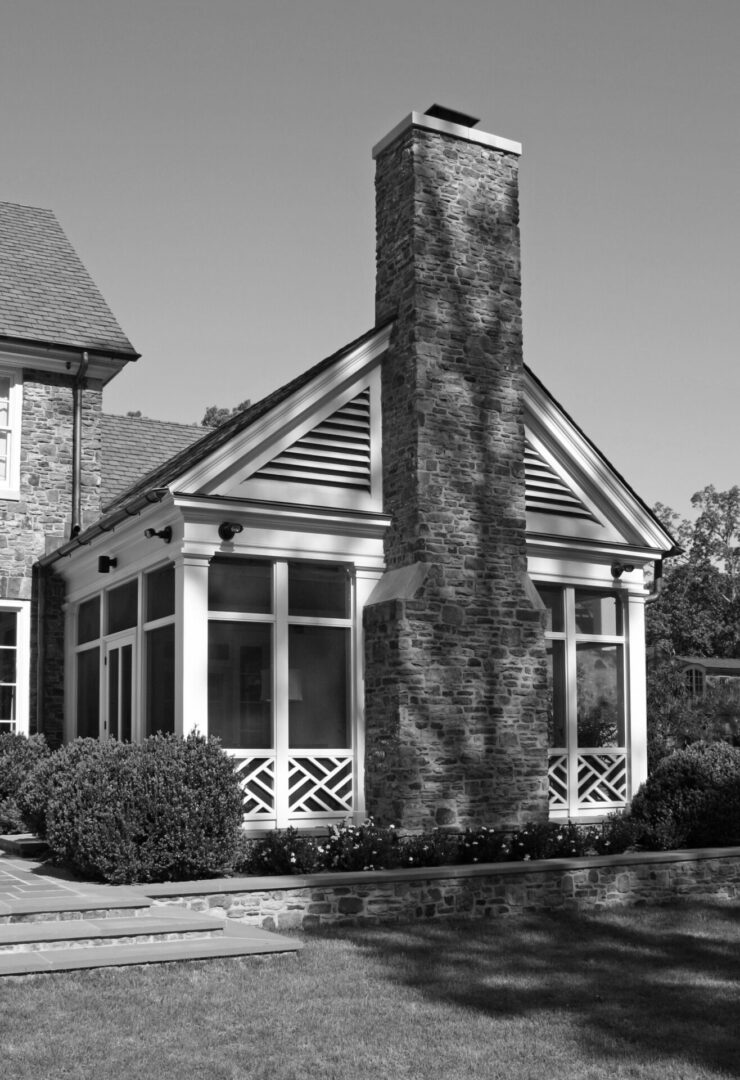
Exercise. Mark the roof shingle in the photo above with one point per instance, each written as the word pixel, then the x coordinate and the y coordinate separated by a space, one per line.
pixel 46 294
pixel 132 446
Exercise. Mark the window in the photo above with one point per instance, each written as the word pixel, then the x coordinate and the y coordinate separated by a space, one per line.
pixel 14 624
pixel 586 648
pixel 280 683
pixel 694 681
pixel 125 659
pixel 10 426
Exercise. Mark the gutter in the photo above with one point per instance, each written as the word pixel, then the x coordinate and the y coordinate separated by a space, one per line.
pixel 105 524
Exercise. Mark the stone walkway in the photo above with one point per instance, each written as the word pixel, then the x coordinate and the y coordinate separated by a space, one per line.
pixel 51 922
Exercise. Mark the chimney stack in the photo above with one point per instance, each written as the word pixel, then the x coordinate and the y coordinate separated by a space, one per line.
pixel 456 680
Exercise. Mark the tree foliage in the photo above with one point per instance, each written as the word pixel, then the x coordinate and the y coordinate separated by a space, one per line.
pixel 215 416
pixel 698 611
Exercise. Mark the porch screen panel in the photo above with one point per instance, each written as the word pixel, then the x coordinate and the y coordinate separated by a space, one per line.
pixel 318 659
pixel 160 680
pixel 240 684
pixel 88 694
pixel 600 681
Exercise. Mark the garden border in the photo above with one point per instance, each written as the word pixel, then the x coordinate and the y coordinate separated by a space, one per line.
pixel 593 882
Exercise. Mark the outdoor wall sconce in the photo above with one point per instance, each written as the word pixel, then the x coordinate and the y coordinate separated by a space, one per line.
pixel 106 564
pixel 619 568
pixel 227 530
pixel 163 534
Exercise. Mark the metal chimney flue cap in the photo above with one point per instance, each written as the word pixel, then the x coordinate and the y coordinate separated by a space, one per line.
pixel 451 116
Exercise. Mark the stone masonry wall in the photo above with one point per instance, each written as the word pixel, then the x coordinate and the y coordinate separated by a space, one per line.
pixel 455 675
pixel 41 518
pixel 586 884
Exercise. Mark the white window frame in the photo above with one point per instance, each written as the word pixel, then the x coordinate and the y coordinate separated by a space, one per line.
pixel 572 757
pixel 22 611
pixel 277 764
pixel 10 487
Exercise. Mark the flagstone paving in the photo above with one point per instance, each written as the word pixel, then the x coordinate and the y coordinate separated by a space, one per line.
pixel 51 922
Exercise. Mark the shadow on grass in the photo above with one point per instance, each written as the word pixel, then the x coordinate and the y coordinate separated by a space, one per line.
pixel 659 983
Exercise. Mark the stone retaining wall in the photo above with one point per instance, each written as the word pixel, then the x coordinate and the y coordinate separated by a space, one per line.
pixel 382 896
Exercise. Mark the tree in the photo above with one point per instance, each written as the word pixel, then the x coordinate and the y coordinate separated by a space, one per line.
pixel 215 416
pixel 698 611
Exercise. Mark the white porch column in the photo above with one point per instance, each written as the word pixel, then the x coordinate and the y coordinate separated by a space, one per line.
pixel 365 582
pixel 637 691
pixel 191 643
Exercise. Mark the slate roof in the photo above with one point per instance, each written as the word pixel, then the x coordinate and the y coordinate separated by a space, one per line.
pixel 46 294
pixel 166 473
pixel 132 446
pixel 713 665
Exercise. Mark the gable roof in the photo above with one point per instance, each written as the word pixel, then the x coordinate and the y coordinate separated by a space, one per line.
pixel 168 472
pixel 46 294
pixel 132 446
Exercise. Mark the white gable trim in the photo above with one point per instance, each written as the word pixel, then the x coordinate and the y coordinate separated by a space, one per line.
pixel 628 522
pixel 277 428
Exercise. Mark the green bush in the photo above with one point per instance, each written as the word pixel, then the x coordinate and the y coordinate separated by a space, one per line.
pixel 18 758
pixel 36 790
pixel 692 799
pixel 168 809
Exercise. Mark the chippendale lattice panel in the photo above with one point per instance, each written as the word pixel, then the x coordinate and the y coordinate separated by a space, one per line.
pixel 257 781
pixel 558 775
pixel 602 778
pixel 320 785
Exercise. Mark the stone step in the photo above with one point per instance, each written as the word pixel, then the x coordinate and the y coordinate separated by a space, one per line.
pixel 46 905
pixel 78 933
pixel 230 939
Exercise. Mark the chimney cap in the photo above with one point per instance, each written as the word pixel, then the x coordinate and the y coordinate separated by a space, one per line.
pixel 452 116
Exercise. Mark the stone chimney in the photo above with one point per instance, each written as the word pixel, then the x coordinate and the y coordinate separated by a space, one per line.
pixel 456 684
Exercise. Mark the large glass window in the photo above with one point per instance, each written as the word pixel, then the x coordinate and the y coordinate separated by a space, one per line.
pixel 125 664
pixel 279 654
pixel 586 648
pixel 240 685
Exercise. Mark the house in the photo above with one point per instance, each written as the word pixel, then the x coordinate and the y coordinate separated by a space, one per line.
pixel 406 583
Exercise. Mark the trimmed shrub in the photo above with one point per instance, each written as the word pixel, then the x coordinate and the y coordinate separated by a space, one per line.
pixel 691 800
pixel 19 756
pixel 166 810
pixel 36 790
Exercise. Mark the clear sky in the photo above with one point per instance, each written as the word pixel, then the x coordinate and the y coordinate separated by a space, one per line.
pixel 210 161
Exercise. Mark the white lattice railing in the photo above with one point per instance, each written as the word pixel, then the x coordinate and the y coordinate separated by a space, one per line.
pixel 257 781
pixel 601 779
pixel 558 779
pixel 318 785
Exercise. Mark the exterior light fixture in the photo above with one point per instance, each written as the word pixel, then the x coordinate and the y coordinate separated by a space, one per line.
pixel 163 534
pixel 227 530
pixel 106 564
pixel 619 568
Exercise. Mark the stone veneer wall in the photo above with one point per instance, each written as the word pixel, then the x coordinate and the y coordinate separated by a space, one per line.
pixel 41 518
pixel 501 889
pixel 455 678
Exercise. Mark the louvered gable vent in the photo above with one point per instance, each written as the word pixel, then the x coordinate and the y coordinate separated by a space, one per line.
pixel 546 493
pixel 336 453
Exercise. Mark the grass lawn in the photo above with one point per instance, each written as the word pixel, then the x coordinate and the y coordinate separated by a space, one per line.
pixel 639 993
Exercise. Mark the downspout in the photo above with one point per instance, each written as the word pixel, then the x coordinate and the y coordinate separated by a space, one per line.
pixel 657 586
pixel 77 388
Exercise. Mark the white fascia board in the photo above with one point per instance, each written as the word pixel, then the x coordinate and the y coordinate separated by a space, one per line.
pixel 445 127
pixel 604 482
pixel 281 516
pixel 270 426
pixel 61 361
